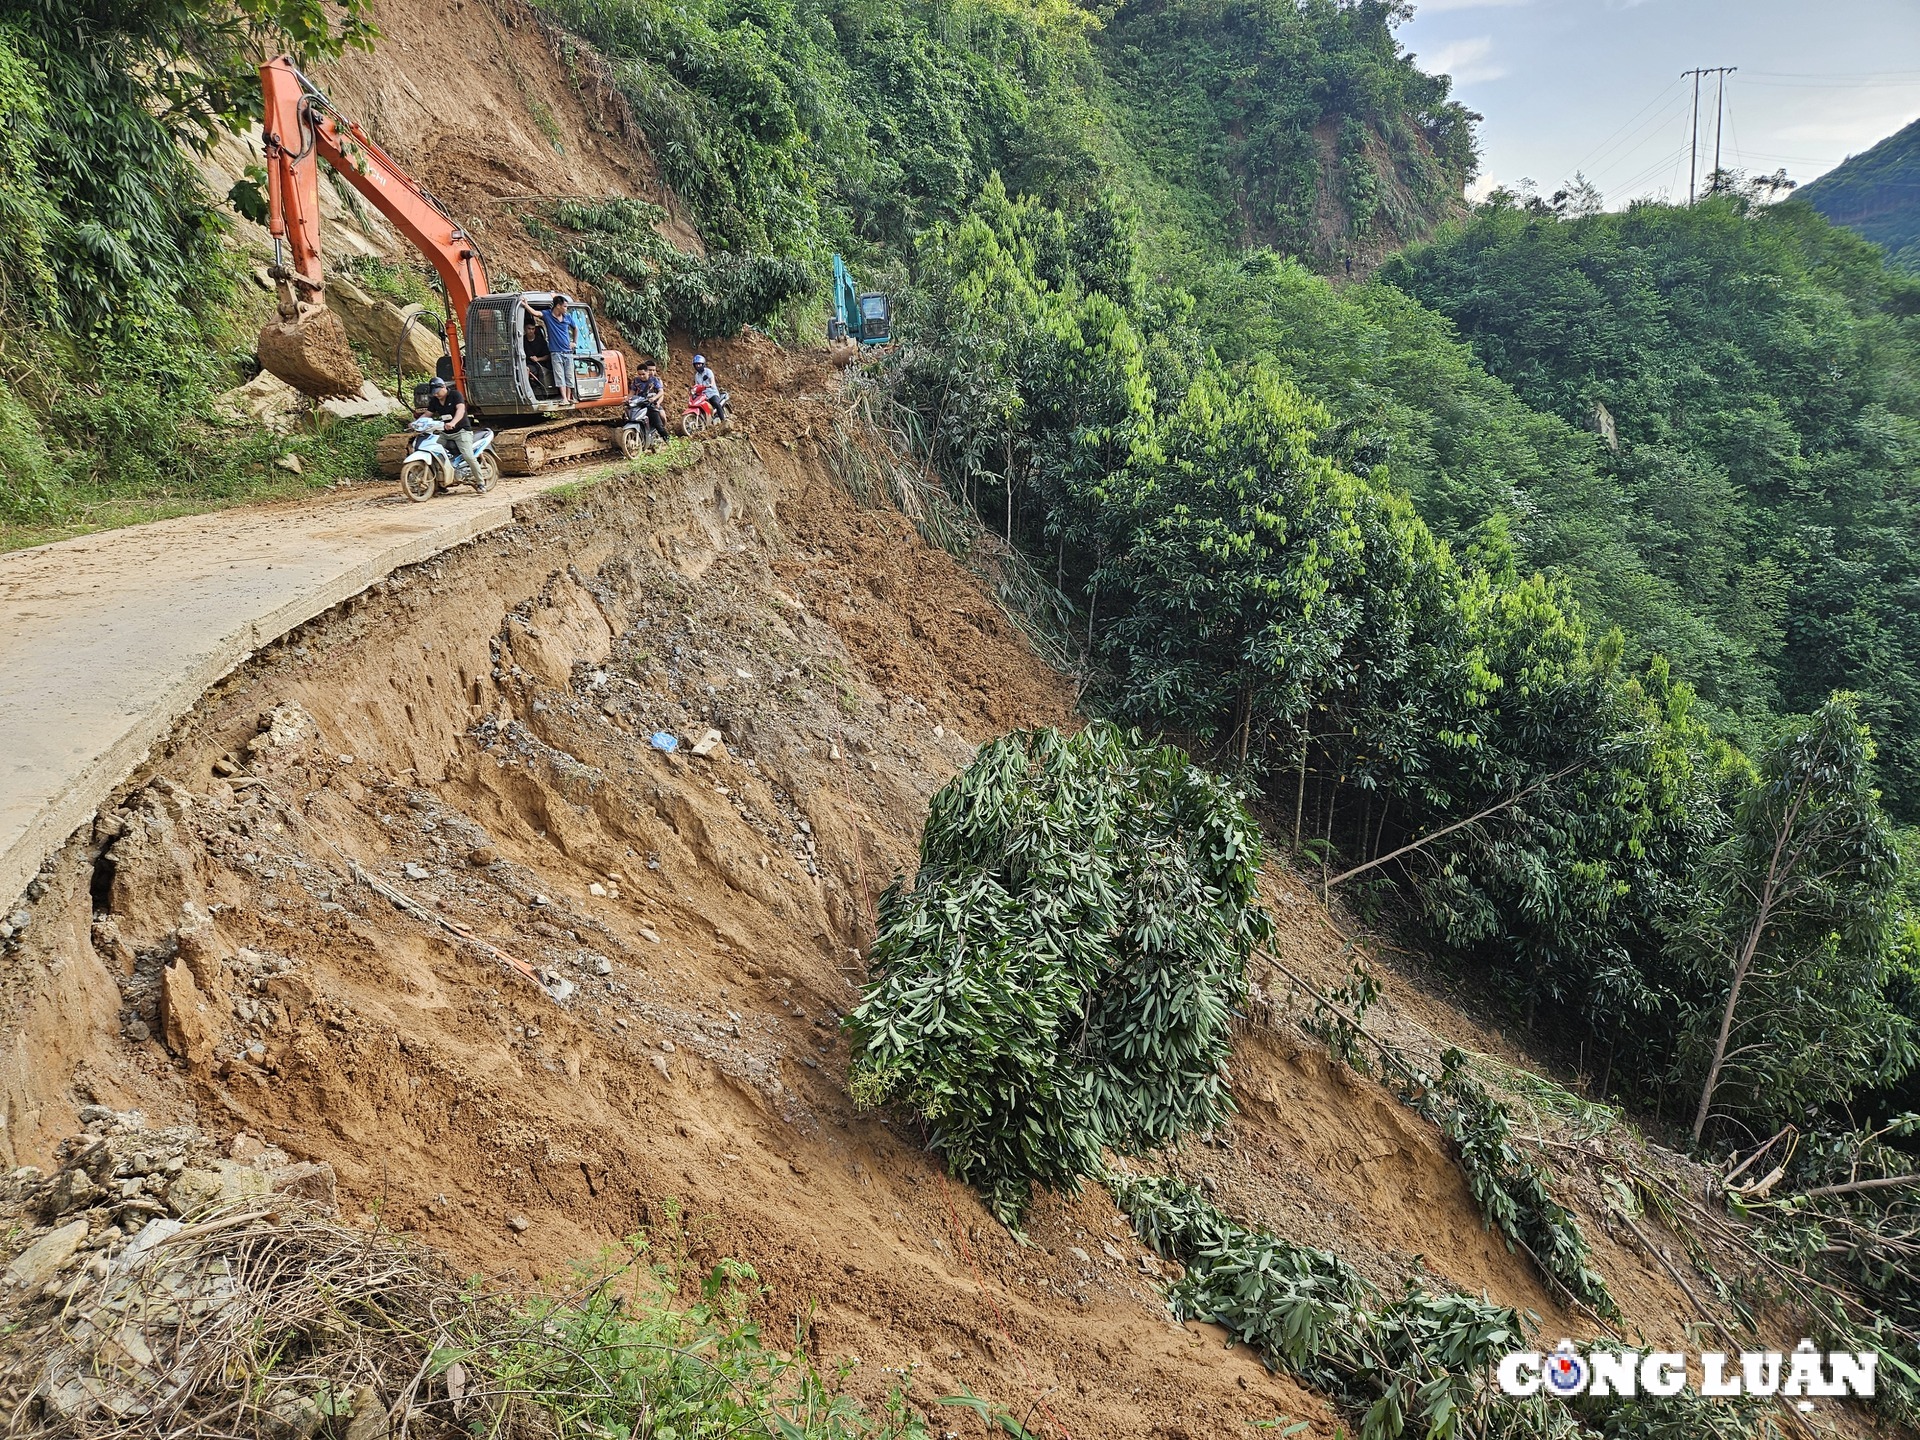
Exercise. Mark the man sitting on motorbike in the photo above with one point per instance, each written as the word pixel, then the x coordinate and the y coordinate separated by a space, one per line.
pixel 652 390
pixel 446 404
pixel 707 388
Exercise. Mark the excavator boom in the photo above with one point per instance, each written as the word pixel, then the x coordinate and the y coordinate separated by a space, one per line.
pixel 307 347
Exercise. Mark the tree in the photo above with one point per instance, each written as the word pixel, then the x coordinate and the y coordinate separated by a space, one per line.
pixel 1800 893
pixel 132 82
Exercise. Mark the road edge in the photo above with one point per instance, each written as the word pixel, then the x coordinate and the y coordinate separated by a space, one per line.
pixel 80 798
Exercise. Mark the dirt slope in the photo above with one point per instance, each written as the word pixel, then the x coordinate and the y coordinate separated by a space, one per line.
pixel 495 705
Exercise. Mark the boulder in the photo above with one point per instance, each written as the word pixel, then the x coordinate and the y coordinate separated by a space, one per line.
pixel 41 1260
pixel 188 1023
pixel 568 627
pixel 265 400
pixel 370 403
pixel 227 1183
pixel 286 734
pixel 378 326
pixel 311 1181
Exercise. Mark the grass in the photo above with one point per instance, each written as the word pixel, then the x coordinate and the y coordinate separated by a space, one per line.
pixel 242 472
pixel 402 284
pixel 676 454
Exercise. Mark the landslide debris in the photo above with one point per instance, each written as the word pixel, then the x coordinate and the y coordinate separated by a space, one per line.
pixel 608 994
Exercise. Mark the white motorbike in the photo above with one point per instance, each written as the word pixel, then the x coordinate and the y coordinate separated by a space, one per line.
pixel 637 430
pixel 432 465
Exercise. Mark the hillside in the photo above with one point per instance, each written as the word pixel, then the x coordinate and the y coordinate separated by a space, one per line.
pixel 1757 366
pixel 1876 194
pixel 300 926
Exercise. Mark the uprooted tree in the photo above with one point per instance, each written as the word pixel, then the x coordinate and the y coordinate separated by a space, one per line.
pixel 1060 977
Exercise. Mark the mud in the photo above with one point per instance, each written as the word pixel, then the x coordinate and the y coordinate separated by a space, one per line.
pixel 496 708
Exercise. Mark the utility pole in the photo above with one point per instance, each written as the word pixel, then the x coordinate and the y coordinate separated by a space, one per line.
pixel 1719 114
pixel 1693 145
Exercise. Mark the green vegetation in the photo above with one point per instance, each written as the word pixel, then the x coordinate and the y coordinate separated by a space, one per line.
pixel 799 126
pixel 1255 575
pixel 118 307
pixel 1509 1187
pixel 1843 1242
pixel 1416 1364
pixel 1762 369
pixel 1877 196
pixel 1059 979
pixel 646 284
pixel 338 1326
pixel 615 1355
pixel 1297 126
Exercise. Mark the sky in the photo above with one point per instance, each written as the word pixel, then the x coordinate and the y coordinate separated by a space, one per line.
pixel 1595 85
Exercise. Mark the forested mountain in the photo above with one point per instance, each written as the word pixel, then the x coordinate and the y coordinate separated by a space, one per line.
pixel 858 123
pixel 1877 195
pixel 1761 372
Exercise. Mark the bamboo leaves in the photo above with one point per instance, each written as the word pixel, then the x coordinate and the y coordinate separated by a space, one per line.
pixel 1060 977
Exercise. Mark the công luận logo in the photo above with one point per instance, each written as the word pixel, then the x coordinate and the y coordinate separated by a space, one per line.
pixel 1802 1375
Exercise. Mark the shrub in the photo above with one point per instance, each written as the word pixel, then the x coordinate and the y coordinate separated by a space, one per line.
pixel 1060 977
pixel 647 284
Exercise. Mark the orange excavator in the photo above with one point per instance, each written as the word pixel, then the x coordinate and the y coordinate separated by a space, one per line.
pixel 487 355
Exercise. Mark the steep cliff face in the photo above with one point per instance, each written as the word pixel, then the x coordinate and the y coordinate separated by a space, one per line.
pixel 495 111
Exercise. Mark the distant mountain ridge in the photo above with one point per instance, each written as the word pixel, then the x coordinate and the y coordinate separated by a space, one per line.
pixel 1877 195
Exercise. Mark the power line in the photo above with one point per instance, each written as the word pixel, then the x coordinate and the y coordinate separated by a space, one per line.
pixel 1606 144
pixel 1630 151
pixel 1670 159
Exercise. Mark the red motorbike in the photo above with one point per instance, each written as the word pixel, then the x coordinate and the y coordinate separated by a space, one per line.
pixel 706 410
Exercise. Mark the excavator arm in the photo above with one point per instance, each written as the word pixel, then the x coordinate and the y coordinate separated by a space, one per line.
pixel 308 346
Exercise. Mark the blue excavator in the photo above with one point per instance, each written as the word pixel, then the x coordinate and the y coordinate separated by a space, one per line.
pixel 864 318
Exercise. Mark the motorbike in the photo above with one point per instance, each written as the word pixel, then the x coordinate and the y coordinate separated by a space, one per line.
pixel 432 465
pixel 637 428
pixel 705 412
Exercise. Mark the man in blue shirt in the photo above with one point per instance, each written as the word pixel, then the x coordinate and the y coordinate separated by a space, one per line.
pixel 560 347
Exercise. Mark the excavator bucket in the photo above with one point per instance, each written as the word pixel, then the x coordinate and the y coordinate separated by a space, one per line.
pixel 310 353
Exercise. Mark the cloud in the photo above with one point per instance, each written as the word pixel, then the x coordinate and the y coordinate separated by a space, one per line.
pixel 1440 7
pixel 1465 60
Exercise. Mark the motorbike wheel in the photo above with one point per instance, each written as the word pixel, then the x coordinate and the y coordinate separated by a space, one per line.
pixel 416 480
pixel 632 441
pixel 692 425
pixel 489 474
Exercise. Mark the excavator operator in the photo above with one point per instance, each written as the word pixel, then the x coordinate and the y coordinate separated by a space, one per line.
pixel 534 342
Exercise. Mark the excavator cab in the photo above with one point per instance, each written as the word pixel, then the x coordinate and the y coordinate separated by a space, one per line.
pixel 503 380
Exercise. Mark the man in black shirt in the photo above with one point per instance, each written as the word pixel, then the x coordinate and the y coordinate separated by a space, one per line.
pixel 534 337
pixel 652 389
pixel 445 402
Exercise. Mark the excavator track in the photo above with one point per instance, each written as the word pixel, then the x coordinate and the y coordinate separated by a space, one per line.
pixel 527 449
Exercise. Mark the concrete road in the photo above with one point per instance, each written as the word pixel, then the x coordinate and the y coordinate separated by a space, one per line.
pixel 107 640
